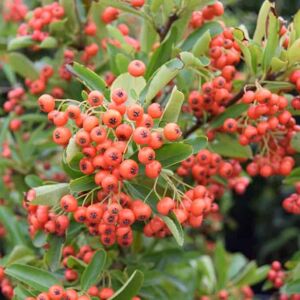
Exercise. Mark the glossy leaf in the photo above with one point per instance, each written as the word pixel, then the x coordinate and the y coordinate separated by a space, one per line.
pixel 221 265
pixel 93 271
pixel 293 52
pixel 198 143
pixel 81 184
pixel 175 228
pixel 129 84
pixel 33 181
pixel 53 254
pixel 89 78
pixel 20 42
pixel 173 108
pixel 232 111
pixel 171 154
pixel 228 146
pixel 50 194
pixel 36 278
pixel 130 288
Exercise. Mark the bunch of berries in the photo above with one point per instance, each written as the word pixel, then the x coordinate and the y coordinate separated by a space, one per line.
pixel 276 274
pixel 292 203
pixel 14 10
pixel 245 293
pixel 209 12
pixel 205 166
pixel 37 27
pixel 14 101
pixel 289 297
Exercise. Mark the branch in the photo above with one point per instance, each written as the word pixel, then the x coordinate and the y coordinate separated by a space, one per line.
pixel 192 129
pixel 163 31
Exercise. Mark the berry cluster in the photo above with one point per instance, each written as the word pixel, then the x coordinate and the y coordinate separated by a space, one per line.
pixel 209 12
pixel 6 287
pixel 295 78
pixel 292 204
pixel 14 101
pixel 37 26
pixel 206 165
pixel 14 10
pixel 289 297
pixel 276 274
pixel 57 292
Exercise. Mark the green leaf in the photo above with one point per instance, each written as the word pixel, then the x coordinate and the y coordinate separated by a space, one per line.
pixel 122 62
pixel 129 84
pixel 71 150
pixel 208 278
pixel 89 78
pixel 296 24
pixel 246 273
pixel 278 65
pixel 72 24
pixel 40 239
pixel 155 5
pixel 81 184
pixel 198 143
pixel 19 253
pixel 260 30
pixel 53 254
pixel 93 270
pixel 171 154
pixel 36 278
pixel 272 41
pixel 50 194
pixel 237 263
pixel 148 37
pixel 221 265
pixel 293 52
pixel 228 146
pixel 20 42
pixel 293 177
pixel 295 142
pixel 12 226
pixel 22 65
pixel 202 45
pixel 232 111
pixel 21 292
pixel 75 263
pixel 162 54
pixel 160 79
pixel 130 288
pixel 277 86
pixel 173 108
pixel 214 28
pixel 292 287
pixel 33 180
pixel 48 43
pixel 175 228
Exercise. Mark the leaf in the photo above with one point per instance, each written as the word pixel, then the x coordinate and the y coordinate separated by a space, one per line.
pixel 278 65
pixel 89 78
pixel 272 42
pixel 93 271
pixel 202 45
pixel 173 108
pixel 33 180
pixel 12 226
pixel 228 146
pixel 208 276
pixel 295 142
pixel 276 86
pixel 129 84
pixel 36 278
pixel 260 30
pixel 198 143
pixel 171 154
pixel 293 177
pixel 221 265
pixel 53 254
pixel 40 239
pixel 130 288
pixel 22 65
pixel 160 79
pixel 292 287
pixel 50 194
pixel 214 29
pixel 175 228
pixel 232 111
pixel 20 42
pixel 296 24
pixel 237 263
pixel 122 62
pixel 293 52
pixel 71 150
pixel 162 54
pixel 81 184
pixel 48 43
pixel 19 253
pixel 75 263
pixel 243 276
pixel 72 24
